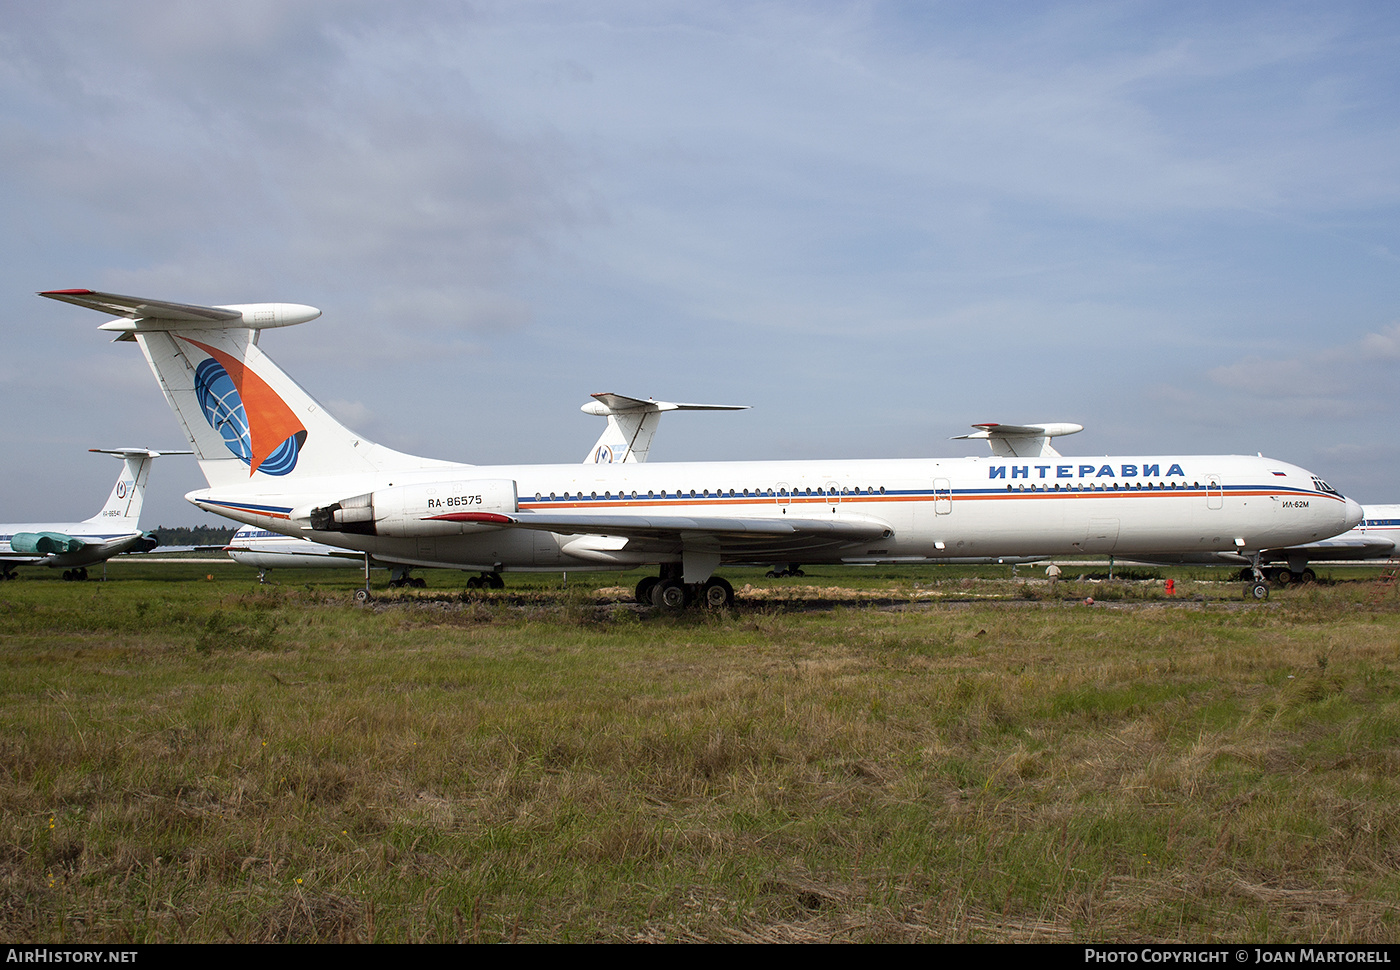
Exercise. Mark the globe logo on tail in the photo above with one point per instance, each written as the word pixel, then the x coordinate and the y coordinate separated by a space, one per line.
pixel 256 424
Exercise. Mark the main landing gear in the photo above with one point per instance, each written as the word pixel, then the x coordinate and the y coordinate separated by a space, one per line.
pixel 1281 575
pixel 671 592
pixel 486 581
pixel 75 575
pixel 783 569
pixel 399 577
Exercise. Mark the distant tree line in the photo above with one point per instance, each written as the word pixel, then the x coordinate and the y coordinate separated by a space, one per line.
pixel 200 535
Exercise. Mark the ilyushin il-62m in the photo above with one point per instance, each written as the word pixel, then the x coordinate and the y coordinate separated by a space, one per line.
pixel 275 459
pixel 74 546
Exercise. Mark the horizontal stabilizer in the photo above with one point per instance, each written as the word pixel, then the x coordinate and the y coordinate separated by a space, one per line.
pixel 44 543
pixel 139 314
pixel 609 403
pixel 137 452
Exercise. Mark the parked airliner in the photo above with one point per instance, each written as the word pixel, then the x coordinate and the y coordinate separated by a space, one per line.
pixel 274 458
pixel 74 546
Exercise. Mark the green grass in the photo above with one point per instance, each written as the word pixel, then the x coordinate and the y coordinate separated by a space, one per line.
pixel 862 754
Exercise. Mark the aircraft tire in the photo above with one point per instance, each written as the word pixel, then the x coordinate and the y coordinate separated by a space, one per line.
pixel 473 582
pixel 494 581
pixel 1257 591
pixel 362 597
pixel 1284 576
pixel 1307 576
pixel 644 588
pixel 670 594
pixel 718 594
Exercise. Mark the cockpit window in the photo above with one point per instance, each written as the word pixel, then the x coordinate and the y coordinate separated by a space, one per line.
pixel 1322 486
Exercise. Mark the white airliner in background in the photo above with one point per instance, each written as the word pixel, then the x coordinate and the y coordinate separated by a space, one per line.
pixel 631 427
pixel 274 458
pixel 77 545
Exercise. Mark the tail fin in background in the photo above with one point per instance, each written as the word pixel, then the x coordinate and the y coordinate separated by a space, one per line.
pixel 632 424
pixel 245 418
pixel 123 506
pixel 1021 440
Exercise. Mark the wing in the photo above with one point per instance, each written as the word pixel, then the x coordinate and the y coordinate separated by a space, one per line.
pixel 667 527
pixel 1353 548
pixel 703 541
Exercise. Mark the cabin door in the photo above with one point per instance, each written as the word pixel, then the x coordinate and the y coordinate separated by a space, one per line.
pixel 942 496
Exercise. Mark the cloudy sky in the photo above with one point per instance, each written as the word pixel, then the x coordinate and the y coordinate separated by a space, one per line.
pixel 1177 224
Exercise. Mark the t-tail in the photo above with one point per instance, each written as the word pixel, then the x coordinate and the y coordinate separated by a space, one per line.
pixel 632 424
pixel 247 421
pixel 123 508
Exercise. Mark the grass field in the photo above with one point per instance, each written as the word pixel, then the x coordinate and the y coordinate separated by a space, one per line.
pixel 860 754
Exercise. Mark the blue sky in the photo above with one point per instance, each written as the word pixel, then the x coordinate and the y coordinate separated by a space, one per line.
pixel 877 223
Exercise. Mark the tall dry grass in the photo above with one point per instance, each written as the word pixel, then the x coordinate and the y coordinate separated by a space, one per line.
pixel 205 760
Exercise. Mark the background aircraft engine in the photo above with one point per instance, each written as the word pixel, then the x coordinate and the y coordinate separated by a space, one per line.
pixel 45 543
pixel 411 511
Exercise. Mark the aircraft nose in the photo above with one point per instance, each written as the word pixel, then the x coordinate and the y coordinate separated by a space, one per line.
pixel 1354 513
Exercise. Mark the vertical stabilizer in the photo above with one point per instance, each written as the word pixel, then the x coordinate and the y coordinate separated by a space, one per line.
pixel 632 424
pixel 123 506
pixel 1021 440
pixel 248 422
pixel 243 416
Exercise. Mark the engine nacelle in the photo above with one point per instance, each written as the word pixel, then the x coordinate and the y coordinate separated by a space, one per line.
pixel 44 543
pixel 411 511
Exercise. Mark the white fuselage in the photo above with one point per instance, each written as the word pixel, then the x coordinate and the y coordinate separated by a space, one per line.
pixel 935 509
pixel 264 549
pixel 1380 522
